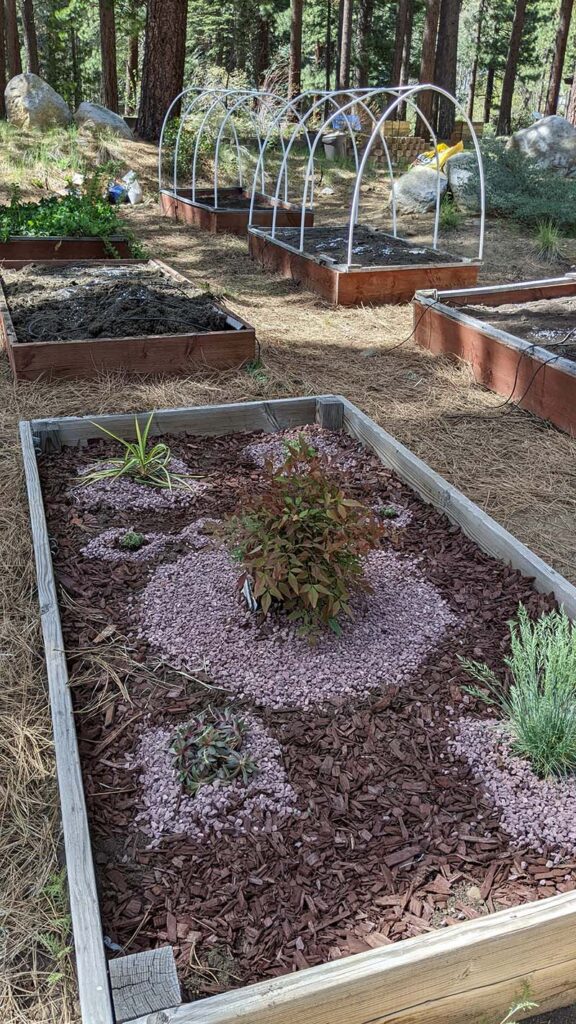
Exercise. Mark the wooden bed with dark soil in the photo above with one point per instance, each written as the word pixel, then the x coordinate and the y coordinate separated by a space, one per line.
pixel 231 214
pixel 387 270
pixel 82 318
pixel 20 250
pixel 395 838
pixel 519 339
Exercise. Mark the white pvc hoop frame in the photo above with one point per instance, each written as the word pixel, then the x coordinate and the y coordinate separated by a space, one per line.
pixel 217 100
pixel 396 96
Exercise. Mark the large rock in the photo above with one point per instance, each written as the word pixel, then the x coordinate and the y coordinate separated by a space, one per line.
pixel 551 142
pixel 32 103
pixel 94 117
pixel 462 173
pixel 415 191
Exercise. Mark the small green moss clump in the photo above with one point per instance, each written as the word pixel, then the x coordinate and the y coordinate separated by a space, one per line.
pixel 132 541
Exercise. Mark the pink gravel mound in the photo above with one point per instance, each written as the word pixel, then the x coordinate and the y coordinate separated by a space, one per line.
pixel 330 446
pixel 536 813
pixel 237 807
pixel 126 495
pixel 190 614
pixel 105 545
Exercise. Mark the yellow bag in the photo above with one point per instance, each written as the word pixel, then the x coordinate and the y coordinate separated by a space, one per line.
pixel 444 154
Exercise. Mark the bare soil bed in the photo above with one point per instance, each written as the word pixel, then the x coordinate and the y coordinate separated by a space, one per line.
pixel 549 323
pixel 370 823
pixel 371 248
pixel 69 303
pixel 240 201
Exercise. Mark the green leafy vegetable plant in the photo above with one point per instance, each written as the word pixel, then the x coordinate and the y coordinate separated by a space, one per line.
pixel 302 541
pixel 132 541
pixel 210 749
pixel 86 214
pixel 540 704
pixel 146 465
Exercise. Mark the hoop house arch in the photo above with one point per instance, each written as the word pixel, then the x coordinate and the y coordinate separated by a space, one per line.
pixel 353 263
pixel 222 208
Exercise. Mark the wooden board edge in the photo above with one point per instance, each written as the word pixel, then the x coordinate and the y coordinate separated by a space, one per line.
pixel 424 304
pixel 93 984
pixel 144 983
pixel 276 414
pixel 449 976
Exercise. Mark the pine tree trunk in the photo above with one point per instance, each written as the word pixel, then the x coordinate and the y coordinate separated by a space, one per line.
pixel 328 46
pixel 405 69
pixel 30 36
pixel 365 16
pixel 445 67
pixel 489 95
pixel 108 54
pixel 295 68
pixel 163 66
pixel 76 72
pixel 2 60
pixel 346 48
pixel 262 55
pixel 427 62
pixel 338 84
pixel 565 16
pixel 132 61
pixel 474 74
pixel 401 22
pixel 505 114
pixel 571 109
pixel 13 58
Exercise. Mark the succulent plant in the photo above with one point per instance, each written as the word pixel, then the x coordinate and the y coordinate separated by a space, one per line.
pixel 132 541
pixel 210 748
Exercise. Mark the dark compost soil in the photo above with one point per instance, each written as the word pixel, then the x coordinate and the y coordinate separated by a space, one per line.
pixel 371 248
pixel 549 323
pixel 238 201
pixel 394 836
pixel 70 303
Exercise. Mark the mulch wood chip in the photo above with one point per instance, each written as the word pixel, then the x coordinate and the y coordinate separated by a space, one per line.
pixel 394 839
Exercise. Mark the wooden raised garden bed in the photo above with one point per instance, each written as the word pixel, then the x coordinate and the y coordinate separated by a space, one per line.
pixel 177 330
pixel 517 338
pixel 392 831
pixel 233 210
pixel 399 269
pixel 18 251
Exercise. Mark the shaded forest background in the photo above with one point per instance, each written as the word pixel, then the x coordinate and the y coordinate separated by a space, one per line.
pixel 504 59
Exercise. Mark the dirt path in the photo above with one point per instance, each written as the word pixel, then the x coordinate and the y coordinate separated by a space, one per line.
pixel 515 466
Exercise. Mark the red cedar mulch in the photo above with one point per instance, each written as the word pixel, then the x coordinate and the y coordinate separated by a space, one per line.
pixel 390 843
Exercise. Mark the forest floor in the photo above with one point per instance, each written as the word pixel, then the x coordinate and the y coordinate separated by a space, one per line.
pixel 516 467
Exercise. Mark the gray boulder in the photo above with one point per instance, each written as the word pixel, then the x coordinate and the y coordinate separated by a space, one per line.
pixel 462 173
pixel 32 103
pixel 415 191
pixel 95 118
pixel 551 142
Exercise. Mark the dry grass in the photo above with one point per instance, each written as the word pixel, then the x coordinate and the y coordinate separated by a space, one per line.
pixel 513 465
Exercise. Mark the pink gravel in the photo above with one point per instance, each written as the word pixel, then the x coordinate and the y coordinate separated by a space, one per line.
pixel 190 614
pixel 124 494
pixel 536 813
pixel 105 545
pixel 258 805
pixel 329 446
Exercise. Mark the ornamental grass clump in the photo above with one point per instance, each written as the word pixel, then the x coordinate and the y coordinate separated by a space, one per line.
pixel 211 749
pixel 302 541
pixel 539 706
pixel 143 464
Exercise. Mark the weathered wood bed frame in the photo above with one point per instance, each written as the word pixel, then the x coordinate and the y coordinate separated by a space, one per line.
pixel 460 975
